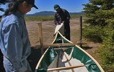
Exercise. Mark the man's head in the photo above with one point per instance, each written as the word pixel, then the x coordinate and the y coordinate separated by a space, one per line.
pixel 22 6
pixel 57 7
pixel 26 5
pixel 31 2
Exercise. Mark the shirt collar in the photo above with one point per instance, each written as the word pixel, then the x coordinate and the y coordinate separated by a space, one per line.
pixel 19 14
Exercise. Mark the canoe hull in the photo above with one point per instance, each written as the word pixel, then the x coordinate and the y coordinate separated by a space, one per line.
pixel 66 58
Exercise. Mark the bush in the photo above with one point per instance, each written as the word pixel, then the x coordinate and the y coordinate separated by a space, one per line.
pixel 93 33
pixel 106 53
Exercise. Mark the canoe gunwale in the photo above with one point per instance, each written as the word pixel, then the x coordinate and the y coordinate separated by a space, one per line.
pixel 60 45
pixel 84 52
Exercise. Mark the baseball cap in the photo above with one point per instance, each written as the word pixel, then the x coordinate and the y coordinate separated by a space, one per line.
pixel 56 7
pixel 32 2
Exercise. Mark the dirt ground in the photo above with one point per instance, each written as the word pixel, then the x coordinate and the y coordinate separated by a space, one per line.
pixel 48 30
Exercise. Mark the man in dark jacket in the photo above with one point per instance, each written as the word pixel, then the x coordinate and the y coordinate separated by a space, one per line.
pixel 63 16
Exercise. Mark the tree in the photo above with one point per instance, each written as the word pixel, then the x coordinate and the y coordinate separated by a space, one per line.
pixel 97 11
pixel 100 17
pixel 4 2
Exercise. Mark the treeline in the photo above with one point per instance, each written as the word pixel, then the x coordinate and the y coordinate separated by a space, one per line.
pixel 100 28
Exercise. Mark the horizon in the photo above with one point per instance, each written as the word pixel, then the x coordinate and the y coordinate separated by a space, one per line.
pixel 54 11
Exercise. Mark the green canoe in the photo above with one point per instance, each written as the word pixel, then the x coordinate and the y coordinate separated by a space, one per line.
pixel 63 56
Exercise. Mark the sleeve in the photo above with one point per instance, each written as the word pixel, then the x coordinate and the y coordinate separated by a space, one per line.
pixel 67 15
pixel 13 45
pixel 57 19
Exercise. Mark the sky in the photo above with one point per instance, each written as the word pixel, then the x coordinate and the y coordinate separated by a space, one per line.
pixel 47 5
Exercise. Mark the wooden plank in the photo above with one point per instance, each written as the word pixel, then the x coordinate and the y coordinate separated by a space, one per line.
pixel 61 44
pixel 60 48
pixel 64 68
pixel 68 60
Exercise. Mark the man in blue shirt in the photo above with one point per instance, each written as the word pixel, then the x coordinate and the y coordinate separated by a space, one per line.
pixel 14 41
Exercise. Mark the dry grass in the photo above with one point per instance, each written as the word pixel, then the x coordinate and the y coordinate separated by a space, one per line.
pixel 48 30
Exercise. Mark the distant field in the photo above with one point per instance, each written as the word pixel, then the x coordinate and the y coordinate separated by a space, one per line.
pixel 47 18
pixel 39 18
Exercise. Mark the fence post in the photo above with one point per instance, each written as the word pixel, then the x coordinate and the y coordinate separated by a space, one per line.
pixel 40 36
pixel 80 31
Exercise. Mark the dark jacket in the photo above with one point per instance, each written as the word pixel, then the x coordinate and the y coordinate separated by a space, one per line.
pixel 63 16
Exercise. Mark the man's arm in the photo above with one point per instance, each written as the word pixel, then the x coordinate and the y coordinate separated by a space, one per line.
pixel 13 46
pixel 67 15
pixel 57 19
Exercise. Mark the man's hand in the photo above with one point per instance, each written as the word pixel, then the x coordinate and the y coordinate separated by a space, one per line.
pixel 62 22
pixel 54 34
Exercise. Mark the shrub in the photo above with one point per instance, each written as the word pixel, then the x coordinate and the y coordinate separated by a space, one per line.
pixel 93 33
